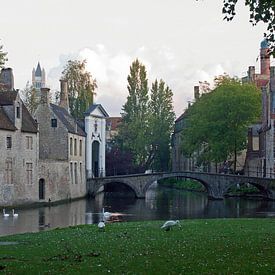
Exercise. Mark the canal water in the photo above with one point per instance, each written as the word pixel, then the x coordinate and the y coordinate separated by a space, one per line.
pixel 161 203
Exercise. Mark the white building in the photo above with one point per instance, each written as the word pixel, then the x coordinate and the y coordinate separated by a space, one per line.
pixel 95 128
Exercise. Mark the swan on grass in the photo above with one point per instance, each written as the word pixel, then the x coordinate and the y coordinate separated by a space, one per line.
pixel 5 215
pixel 101 225
pixel 169 224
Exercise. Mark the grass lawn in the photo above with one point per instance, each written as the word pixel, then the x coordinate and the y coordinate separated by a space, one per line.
pixel 217 246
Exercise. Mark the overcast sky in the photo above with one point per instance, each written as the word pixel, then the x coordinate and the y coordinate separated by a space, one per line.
pixel 181 41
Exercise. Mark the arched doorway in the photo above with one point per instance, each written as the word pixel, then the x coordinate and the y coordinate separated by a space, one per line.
pixel 95 158
pixel 41 189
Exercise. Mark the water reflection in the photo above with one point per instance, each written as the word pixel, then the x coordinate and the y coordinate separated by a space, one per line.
pixel 160 204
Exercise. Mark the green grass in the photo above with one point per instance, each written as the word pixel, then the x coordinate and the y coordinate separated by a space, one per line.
pixel 220 246
pixel 187 184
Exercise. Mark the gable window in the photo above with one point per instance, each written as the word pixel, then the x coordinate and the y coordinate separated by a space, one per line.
pixel 8 171
pixel 75 146
pixel 9 142
pixel 80 147
pixel 29 143
pixel 29 172
pixel 18 112
pixel 71 146
pixel 54 122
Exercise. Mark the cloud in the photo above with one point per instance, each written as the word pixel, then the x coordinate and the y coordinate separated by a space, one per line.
pixel 112 68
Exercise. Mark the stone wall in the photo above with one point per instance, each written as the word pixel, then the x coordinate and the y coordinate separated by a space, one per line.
pixel 20 190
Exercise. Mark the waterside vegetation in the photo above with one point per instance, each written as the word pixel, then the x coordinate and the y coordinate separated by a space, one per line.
pixel 219 246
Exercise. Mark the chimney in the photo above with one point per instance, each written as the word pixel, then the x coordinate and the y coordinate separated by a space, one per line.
pixel 196 92
pixel 251 73
pixel 6 78
pixel 45 96
pixel 64 99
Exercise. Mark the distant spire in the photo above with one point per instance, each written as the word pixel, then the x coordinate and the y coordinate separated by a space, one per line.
pixel 38 71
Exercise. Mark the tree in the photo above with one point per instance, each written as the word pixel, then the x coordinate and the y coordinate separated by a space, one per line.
pixel 30 98
pixel 216 124
pixel 134 126
pixel 260 11
pixel 161 122
pixel 3 57
pixel 81 87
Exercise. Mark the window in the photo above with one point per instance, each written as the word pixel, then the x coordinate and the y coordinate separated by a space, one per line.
pixel 54 122
pixel 29 143
pixel 72 173
pixel 9 142
pixel 71 146
pixel 8 171
pixel 75 172
pixel 80 147
pixel 80 171
pixel 29 172
pixel 18 112
pixel 75 146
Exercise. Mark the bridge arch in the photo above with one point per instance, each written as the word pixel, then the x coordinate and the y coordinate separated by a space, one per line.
pixel 266 193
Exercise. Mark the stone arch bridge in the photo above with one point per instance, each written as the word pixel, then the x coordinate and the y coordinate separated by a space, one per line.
pixel 215 184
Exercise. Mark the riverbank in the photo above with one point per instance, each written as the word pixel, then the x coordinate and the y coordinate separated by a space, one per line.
pixel 219 246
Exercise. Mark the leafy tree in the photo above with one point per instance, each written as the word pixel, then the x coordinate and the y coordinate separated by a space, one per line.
pixel 30 98
pixel 216 124
pixel 134 126
pixel 3 57
pixel 260 11
pixel 161 122
pixel 81 87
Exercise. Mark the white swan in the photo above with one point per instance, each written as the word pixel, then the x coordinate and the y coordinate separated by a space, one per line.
pixel 101 225
pixel 169 224
pixel 4 213
pixel 15 215
pixel 106 215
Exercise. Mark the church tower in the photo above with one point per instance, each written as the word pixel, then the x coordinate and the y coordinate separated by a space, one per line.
pixel 38 78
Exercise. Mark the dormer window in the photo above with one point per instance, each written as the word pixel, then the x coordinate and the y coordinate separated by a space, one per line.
pixel 18 112
pixel 54 122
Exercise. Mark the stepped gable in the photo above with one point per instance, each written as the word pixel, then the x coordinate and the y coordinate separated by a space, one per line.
pixel 68 121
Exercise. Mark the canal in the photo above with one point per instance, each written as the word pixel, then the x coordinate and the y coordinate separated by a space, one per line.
pixel 161 203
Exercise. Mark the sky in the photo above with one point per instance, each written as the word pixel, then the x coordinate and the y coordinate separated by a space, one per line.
pixel 180 41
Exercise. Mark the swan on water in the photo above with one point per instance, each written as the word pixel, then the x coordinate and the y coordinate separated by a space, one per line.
pixel 106 215
pixel 14 214
pixel 5 214
pixel 169 224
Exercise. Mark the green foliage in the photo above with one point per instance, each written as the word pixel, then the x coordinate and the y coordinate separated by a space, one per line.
pixel 134 126
pixel 161 122
pixel 243 190
pixel 147 125
pixel 260 11
pixel 216 124
pixel 212 246
pixel 81 87
pixel 185 184
pixel 3 57
pixel 30 98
